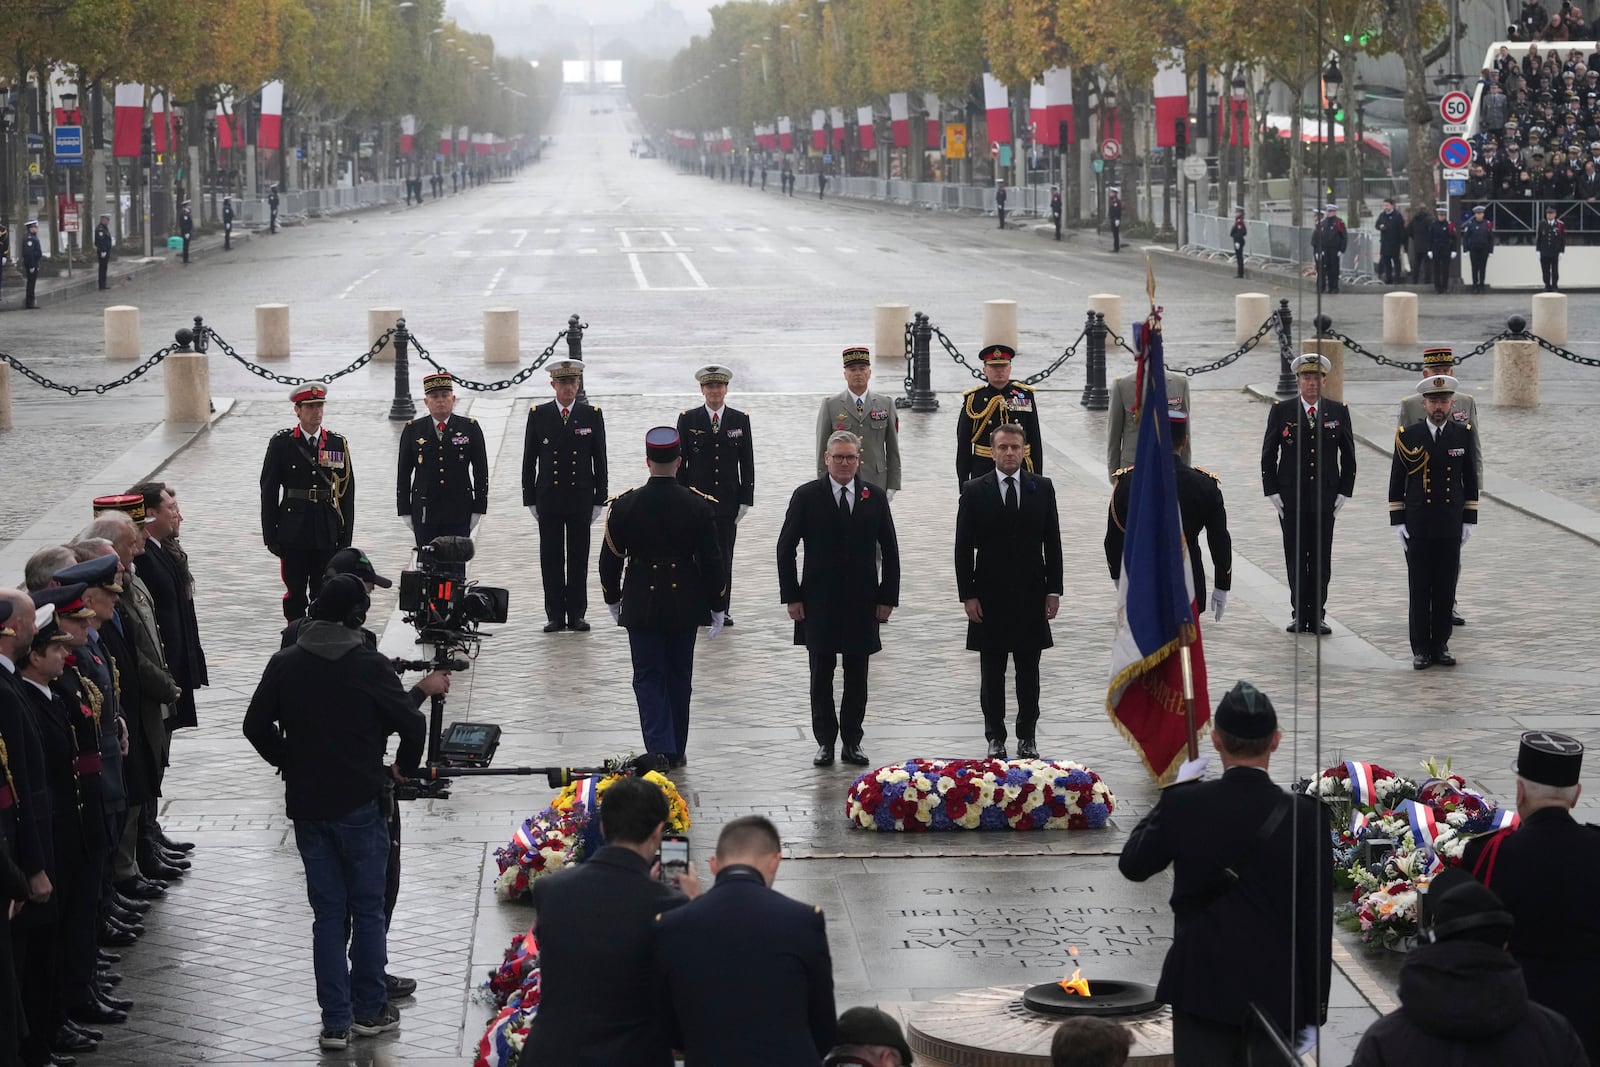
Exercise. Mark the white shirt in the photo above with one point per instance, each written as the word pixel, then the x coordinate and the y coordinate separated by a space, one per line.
pixel 837 489
pixel 861 400
pixel 1307 408
pixel 5 661
pixel 715 413
pixel 1016 480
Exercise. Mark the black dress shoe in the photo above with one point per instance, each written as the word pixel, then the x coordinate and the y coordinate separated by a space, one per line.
pixel 1293 628
pixel 853 754
pixel 61 1059
pixel 674 762
pixel 127 903
pixel 398 987
pixel 126 918
pixel 70 1040
pixel 1027 750
pixel 553 627
pixel 88 1032
pixel 155 870
pixel 177 846
pixel 1421 663
pixel 580 625
pixel 174 859
pixel 727 620
pixel 97 1013
pixel 115 1003
pixel 156 883
pixel 107 979
pixel 106 957
pixel 824 756
pixel 1445 659
pixel 109 936
pixel 139 889
pixel 997 750
pixel 136 929
pixel 1457 620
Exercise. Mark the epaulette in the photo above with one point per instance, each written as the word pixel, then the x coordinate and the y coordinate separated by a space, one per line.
pixel 708 496
pixel 1208 474
pixel 1023 386
pixel 1120 472
pixel 816 909
pixel 596 408
pixel 284 432
pixel 976 389
pixel 620 495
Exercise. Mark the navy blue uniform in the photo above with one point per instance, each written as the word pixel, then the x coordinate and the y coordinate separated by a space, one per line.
pixel 186 227
pixel 443 477
pixel 1433 491
pixel 308 509
pixel 102 250
pixel 32 256
pixel 720 461
pixel 564 480
pixel 1309 463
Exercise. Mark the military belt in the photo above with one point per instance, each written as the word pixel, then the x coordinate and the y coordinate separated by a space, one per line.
pixel 88 763
pixel 6 799
pixel 985 450
pixel 316 496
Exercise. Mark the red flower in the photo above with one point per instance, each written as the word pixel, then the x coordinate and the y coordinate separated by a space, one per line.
pixel 865 493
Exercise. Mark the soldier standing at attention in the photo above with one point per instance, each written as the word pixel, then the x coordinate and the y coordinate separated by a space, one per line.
pixel 1441 249
pixel 987 406
pixel 443 482
pixel 719 460
pixel 185 227
pixel 1334 239
pixel 564 488
pixel 1477 237
pixel 272 209
pixel 1114 216
pixel 1000 201
pixel 1127 404
pixel 227 224
pixel 870 416
pixel 308 499
pixel 32 256
pixel 102 247
pixel 1550 240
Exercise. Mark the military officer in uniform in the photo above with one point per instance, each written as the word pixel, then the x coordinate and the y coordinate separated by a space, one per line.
pixel 564 488
pixel 308 499
pixel 1463 410
pixel 1433 503
pixel 719 459
pixel 185 227
pixel 5 257
pixel 227 224
pixel 868 415
pixel 102 247
pixel 1543 871
pixel 442 487
pixel 272 209
pixel 987 406
pixel 1122 417
pixel 1308 471
pixel 667 534
pixel 32 256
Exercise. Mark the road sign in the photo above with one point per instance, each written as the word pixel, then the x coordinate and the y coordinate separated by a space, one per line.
pixel 69 219
pixel 1455 152
pixel 1098 165
pixel 955 140
pixel 1455 174
pixel 33 170
pixel 1455 106
pixel 69 146
pixel 1194 168
pixel 1110 148
pixel 1455 129
pixel 1455 188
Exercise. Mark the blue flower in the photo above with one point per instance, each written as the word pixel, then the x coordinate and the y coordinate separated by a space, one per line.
pixel 1096 814
pixel 993 818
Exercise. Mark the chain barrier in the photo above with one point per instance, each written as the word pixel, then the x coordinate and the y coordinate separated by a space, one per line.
pixel 493 387
pixel 1217 364
pixel 99 390
pixel 1066 354
pixel 1120 342
pixel 1416 367
pixel 911 354
pixel 955 353
pixel 1564 353
pixel 289 379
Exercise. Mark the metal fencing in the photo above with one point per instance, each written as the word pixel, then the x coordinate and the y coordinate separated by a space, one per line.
pixel 1281 242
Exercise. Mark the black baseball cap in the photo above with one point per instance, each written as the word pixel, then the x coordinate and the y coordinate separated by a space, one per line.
pixel 1246 713
pixel 870 1026
pixel 343 599
pixel 354 561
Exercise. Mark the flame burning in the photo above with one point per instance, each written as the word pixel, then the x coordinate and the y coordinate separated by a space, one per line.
pixel 1076 984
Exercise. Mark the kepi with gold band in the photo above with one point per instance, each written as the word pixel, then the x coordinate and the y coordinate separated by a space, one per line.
pixel 311 393
pixel 565 369
pixel 308 498
pixel 867 414
pixel 1308 362
pixel 439 381
pixel 130 504
pixel 1000 400
pixel 857 354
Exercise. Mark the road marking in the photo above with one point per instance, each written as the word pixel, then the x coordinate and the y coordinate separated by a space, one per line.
pixel 667 237
pixel 764 250
pixel 804 251
pixel 585 229
pixel 552 229
pixel 626 201
pixel 485 233
pixel 691 229
pixel 627 239
pixel 1054 277
pixel 462 253
pixel 351 287
pixel 522 235
pixel 698 280
pixel 721 248
pixel 544 251
pixel 847 251
pixel 588 251
pixel 501 273
pixel 638 271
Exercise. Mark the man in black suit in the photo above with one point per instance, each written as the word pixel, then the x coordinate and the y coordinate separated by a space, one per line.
pixel 1240 864
pixel 600 1003
pixel 442 488
pixel 841 600
pixel 675 579
pixel 164 568
pixel 308 499
pixel 1308 471
pixel 102 247
pixel 1008 575
pixel 747 969
pixel 32 256
pixel 719 459
pixel 1543 871
pixel 1433 504
pixel 564 488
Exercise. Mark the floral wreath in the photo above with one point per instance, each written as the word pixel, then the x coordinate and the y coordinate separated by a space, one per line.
pixel 982 794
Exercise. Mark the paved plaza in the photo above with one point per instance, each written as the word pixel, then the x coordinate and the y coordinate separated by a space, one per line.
pixel 224 975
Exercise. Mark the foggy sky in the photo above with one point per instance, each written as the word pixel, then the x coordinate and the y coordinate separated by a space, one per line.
pixel 482 13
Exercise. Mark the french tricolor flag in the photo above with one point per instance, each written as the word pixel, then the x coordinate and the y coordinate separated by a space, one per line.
pixel 463 139
pixel 160 120
pixel 935 129
pixel 837 116
pixel 900 119
pixel 408 134
pixel 1172 100
pixel 1050 104
pixel 446 144
pixel 785 134
pixel 997 107
pixel 819 133
pixel 864 121
pixel 128 124
pixel 227 123
pixel 271 129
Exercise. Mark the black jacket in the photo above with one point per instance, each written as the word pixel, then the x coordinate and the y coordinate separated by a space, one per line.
pixel 178 626
pixel 840 588
pixel 564 463
pixel 1200 507
pixel 32 253
pixel 1008 562
pixel 27 821
pixel 600 1004
pixel 1197 829
pixel 295 466
pixel 668 536
pixel 102 239
pixel 1308 465
pixel 721 464
pixel 982 409
pixel 1464 1003
pixel 442 478
pixel 744 943
pixel 185 222
pixel 322 714
pixel 1391 227
pixel 1433 481
pixel 1551 238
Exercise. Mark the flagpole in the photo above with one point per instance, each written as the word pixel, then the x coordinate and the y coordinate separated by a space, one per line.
pixel 1185 637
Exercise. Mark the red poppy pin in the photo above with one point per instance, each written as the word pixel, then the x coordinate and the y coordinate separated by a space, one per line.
pixel 865 493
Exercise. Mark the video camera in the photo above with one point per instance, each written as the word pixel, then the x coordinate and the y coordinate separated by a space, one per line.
pixel 445 608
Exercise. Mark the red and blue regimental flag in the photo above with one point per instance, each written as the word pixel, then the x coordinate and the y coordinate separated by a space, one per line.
pixel 1155 595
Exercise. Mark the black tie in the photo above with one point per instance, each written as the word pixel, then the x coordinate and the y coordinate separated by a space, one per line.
pixel 844 501
pixel 1011 494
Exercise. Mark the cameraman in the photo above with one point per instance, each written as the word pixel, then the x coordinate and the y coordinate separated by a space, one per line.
pixel 436 683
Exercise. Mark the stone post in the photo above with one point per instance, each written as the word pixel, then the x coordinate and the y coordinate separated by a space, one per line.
pixel 379 321
pixel 889 332
pixel 5 396
pixel 1550 317
pixel 999 323
pixel 122 333
pixel 1250 310
pixel 502 337
pixel 1516 374
pixel 187 377
pixel 272 331
pixel 1333 384
pixel 1109 305
pixel 1399 318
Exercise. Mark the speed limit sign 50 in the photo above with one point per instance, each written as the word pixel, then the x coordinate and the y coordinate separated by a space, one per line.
pixel 1455 107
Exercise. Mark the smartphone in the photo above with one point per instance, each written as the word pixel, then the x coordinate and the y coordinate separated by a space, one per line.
pixel 674 857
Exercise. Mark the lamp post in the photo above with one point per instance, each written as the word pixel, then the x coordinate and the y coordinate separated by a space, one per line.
pixel 1239 123
pixel 1332 82
pixel 1358 179
pixel 8 122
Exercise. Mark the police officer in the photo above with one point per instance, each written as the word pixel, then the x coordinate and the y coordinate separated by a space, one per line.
pixel 667 533
pixel 1240 233
pixel 442 488
pixel 987 406
pixel 1055 209
pixel 185 227
pixel 719 460
pixel 1542 871
pixel 5 256
pixel 1477 237
pixel 227 224
pixel 102 247
pixel 1114 216
pixel 1441 248
pixel 308 499
pixel 1433 503
pixel 868 415
pixel 1000 201
pixel 272 208
pixel 1550 241
pixel 1463 410
pixel 32 256
pixel 1334 239
pixel 564 488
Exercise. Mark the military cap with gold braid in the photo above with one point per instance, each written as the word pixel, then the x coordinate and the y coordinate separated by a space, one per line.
pixel 997 354
pixel 438 381
pixel 713 375
pixel 131 504
pixel 1436 359
pixel 310 393
pixel 857 354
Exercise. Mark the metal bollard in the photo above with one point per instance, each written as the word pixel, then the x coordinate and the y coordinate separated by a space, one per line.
pixel 404 409
pixel 1096 397
pixel 1286 382
pixel 575 328
pixel 187 379
pixel 923 398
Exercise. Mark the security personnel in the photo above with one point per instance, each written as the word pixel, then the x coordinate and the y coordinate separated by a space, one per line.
pixel 1543 871
pixel 102 247
pixel 308 499
pixel 564 488
pixel 1334 239
pixel 1114 217
pixel 1055 209
pixel 1441 248
pixel 32 256
pixel 5 256
pixel 1433 502
pixel 868 415
pixel 1550 241
pixel 1477 237
pixel 272 208
pixel 667 533
pixel 1200 507
pixel 719 459
pixel 227 223
pixel 442 487
pixel 1122 416
pixel 185 227
pixel 1308 472
pixel 987 406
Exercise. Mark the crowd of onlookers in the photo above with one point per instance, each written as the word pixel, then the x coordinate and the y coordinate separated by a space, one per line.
pixel 1539 124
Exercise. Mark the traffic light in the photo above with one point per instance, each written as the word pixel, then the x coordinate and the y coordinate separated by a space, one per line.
pixel 1361 39
pixel 1063 135
pixel 1180 137
pixel 147 146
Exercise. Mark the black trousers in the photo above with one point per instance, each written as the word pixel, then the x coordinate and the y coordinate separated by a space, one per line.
pixel 80 922
pixel 302 570
pixel 1308 558
pixel 827 727
pixel 663 682
pixel 36 942
pixel 1330 271
pixel 391 881
pixel 992 692
pixel 1432 566
pixel 564 565
pixel 1389 265
pixel 1480 267
pixel 727 534
pixel 1549 266
pixel 105 262
pixel 1238 260
pixel 1056 218
pixel 32 278
pixel 1205 1041
pixel 1001 212
pixel 272 224
pixel 227 236
pixel 186 248
pixel 1441 272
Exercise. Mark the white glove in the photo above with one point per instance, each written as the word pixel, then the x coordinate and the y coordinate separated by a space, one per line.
pixel 743 508
pixel 1466 534
pixel 616 612
pixel 533 510
pixel 1219 603
pixel 1192 770
pixel 594 516
pixel 891 493
pixel 717 618
pixel 1453 255
pixel 1339 502
pixel 1277 503
pixel 477 517
pixel 1306 1041
pixel 1402 533
pixel 1430 255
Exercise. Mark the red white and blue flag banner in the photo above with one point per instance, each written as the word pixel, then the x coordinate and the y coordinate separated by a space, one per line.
pixel 161 121
pixel 446 142
pixel 785 133
pixel 934 138
pixel 228 134
pixel 1363 793
pixel 1050 104
pixel 128 121
pixel 270 133
pixel 864 126
pixel 836 116
pixel 1424 830
pixel 819 132
pixel 408 134
pixel 997 107
pixel 1172 100
pixel 1155 595
pixel 900 119
pixel 463 139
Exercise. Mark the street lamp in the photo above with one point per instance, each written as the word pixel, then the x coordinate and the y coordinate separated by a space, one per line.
pixel 1239 104
pixel 8 117
pixel 1332 82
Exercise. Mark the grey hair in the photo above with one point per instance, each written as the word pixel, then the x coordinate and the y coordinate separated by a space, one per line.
pixel 1542 794
pixel 43 564
pixel 87 548
pixel 107 527
pixel 845 437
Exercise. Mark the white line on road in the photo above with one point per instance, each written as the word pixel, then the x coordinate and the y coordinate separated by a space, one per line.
pixel 669 239
pixel 847 251
pixel 638 271
pixel 625 202
pixel 552 229
pixel 698 280
pixel 351 287
pixel 485 233
pixel 721 248
pixel 588 251
pixel 501 273
pixel 1054 278
pixel 585 229
pixel 804 251
pixel 627 239
pixel 522 235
